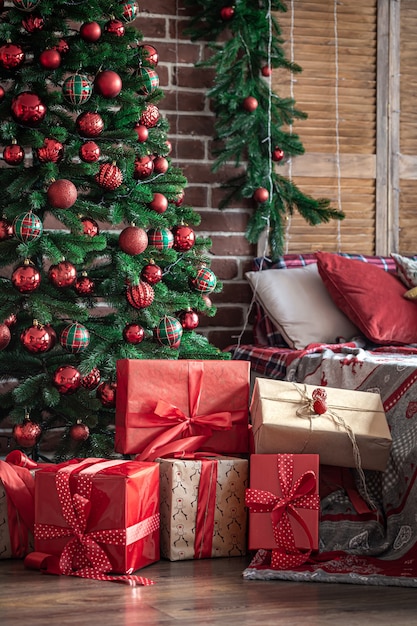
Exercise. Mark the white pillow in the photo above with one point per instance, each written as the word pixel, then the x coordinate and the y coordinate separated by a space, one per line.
pixel 298 303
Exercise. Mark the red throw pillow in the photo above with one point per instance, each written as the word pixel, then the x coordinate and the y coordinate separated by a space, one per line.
pixel 371 298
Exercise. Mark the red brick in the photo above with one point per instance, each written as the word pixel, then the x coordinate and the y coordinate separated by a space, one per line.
pixel 197 77
pixel 232 245
pixel 176 52
pixel 233 292
pixel 196 125
pixel 163 7
pixel 196 196
pixel 153 27
pixel 224 221
pixel 187 148
pixel 225 269
pixel 227 316
pixel 183 101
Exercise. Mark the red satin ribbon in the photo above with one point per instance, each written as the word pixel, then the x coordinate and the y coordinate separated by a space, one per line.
pixel 299 495
pixel 82 556
pixel 206 507
pixel 19 486
pixel 184 432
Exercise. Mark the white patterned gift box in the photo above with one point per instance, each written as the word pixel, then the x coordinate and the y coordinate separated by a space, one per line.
pixel 203 512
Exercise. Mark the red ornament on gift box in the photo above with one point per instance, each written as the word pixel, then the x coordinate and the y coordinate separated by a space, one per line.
pixel 115 27
pixel 51 151
pixel 108 84
pixel 89 124
pixel 11 56
pixel 38 338
pixel 142 132
pixel 27 434
pixel 26 278
pixel 90 227
pixel 67 379
pixel 5 336
pixel 6 229
pixel 250 104
pixel 133 333
pixel 106 393
pixel 28 109
pixel 109 177
pixel 133 240
pixel 62 194
pixel 140 296
pixel 151 273
pixel 261 195
pixel 91 380
pixel 89 152
pixel 159 203
pixel 62 274
pixel 184 238
pixel 143 168
pixel 13 154
pixel 90 31
pixel 79 431
pixel 150 116
pixel 50 59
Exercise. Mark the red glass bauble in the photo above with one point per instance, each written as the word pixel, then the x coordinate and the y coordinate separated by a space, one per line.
pixel 2 94
pixel 26 278
pixel 5 336
pixel 51 151
pixel 150 116
pixel 189 319
pixel 108 84
pixel 159 203
pixel 90 31
pixel 67 379
pixel 10 320
pixel 37 339
pixel 13 154
pixel 227 13
pixel 277 154
pixel 33 22
pixel 184 238
pixel 143 167
pixel 149 55
pixel 89 124
pixel 115 27
pixel 28 109
pixel 160 165
pixel 84 286
pixel 142 132
pixel 79 431
pixel 62 194
pixel 261 195
pixel 250 104
pixel 91 380
pixel 109 176
pixel 151 273
pixel 90 226
pixel 50 59
pixel 6 229
pixel 207 301
pixel 62 47
pixel 168 147
pixel 27 434
pixel 266 70
pixel 133 333
pixel 180 199
pixel 89 152
pixel 133 240
pixel 11 56
pixel 140 296
pixel 106 393
pixel 62 274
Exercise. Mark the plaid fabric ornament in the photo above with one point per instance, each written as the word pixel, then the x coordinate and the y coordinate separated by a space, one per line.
pixel 169 332
pixel 160 238
pixel 205 280
pixel 27 227
pixel 149 79
pixel 26 5
pixel 75 338
pixel 77 89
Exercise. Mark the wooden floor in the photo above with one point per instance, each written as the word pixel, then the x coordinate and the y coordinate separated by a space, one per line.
pixel 196 593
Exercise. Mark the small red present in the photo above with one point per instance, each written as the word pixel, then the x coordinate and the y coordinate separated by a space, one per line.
pixel 165 407
pixel 284 503
pixel 17 510
pixel 95 517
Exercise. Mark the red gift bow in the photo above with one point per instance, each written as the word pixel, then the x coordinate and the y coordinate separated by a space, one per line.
pixel 19 486
pixel 181 426
pixel 83 556
pixel 298 495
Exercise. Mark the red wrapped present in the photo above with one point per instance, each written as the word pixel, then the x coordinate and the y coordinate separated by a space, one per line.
pixel 165 407
pixel 96 517
pixel 284 504
pixel 17 510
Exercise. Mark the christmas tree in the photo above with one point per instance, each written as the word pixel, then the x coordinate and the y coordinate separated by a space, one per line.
pixel 98 253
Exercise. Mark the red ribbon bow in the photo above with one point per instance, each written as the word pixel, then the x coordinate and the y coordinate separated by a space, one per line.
pixel 299 495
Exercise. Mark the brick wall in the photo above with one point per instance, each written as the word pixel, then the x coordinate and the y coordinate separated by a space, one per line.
pixel 191 132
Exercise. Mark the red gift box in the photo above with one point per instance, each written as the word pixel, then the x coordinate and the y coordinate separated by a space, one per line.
pixel 165 407
pixel 283 501
pixel 97 516
pixel 17 507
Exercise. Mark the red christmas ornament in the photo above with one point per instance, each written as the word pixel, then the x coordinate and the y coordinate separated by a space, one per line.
pixel 62 194
pixel 26 5
pixel 143 167
pixel 140 296
pixel 160 165
pixel 109 177
pixel 11 56
pixel 89 124
pixel 261 195
pixel 266 70
pixel 180 199
pixel 159 203
pixel 106 393
pixel 189 319
pixel 250 104
pixel 142 132
pixel 79 431
pixel 75 338
pixel 149 55
pixel 13 154
pixel 2 94
pixel 133 240
pixel 90 227
pixel 169 147
pixel 277 154
pixel 28 109
pixel 27 227
pixel 115 27
pixel 26 278
pixel 130 10
pixel 5 336
pixel 62 274
pixel 84 286
pixel 11 320
pixel 67 379
pixel 37 339
pixel 50 59
pixel 207 301
pixel 89 152
pixel 62 47
pixel 108 84
pixel 227 13
pixel 27 434
pixel 51 151
pixel 90 381
pixel 150 116
pixel 151 273
pixel 133 333
pixel 184 238
pixel 33 22
pixel 90 31
pixel 6 229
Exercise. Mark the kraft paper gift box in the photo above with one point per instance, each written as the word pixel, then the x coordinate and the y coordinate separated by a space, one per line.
pixel 97 516
pixel 203 512
pixel 284 506
pixel 284 421
pixel 17 510
pixel 164 407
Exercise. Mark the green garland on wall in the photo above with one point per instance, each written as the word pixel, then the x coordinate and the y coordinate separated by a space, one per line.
pixel 252 122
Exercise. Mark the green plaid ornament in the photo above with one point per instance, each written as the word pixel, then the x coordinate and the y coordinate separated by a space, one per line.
pixel 26 5
pixel 160 238
pixel 130 10
pixel 27 227
pixel 75 338
pixel 77 89
pixel 169 332
pixel 149 80
pixel 205 280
